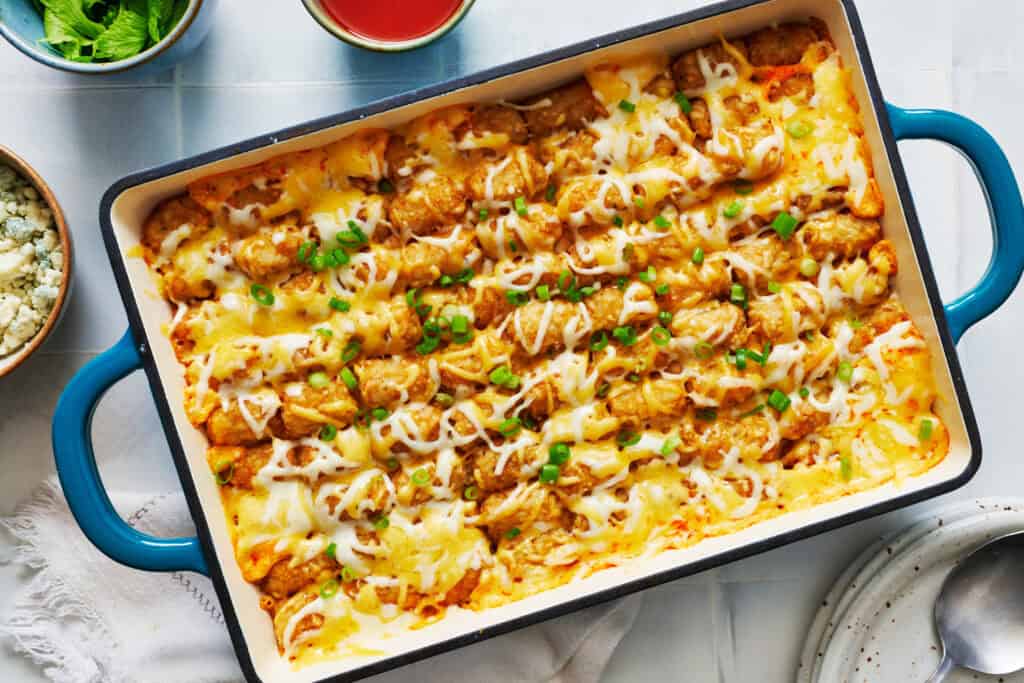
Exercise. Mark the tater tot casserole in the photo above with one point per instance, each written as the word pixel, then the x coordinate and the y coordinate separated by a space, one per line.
pixel 507 345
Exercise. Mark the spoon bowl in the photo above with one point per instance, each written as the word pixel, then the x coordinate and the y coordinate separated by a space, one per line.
pixel 980 610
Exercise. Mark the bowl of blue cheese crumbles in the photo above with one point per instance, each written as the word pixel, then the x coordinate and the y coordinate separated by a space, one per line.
pixel 34 261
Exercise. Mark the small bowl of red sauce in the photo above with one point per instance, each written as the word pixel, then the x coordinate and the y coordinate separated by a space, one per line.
pixel 388 25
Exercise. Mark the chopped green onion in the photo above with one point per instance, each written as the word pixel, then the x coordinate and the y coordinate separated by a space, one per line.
pixel 328 432
pixel 799 128
pixel 743 187
pixel 627 106
pixel 856 323
pixel 340 304
pixel 598 341
pixel 662 289
pixel 737 358
pixel 664 317
pixel 804 392
pixel 464 275
pixel 735 208
pixel 503 377
pixel 391 464
pixel 565 279
pixel 262 294
pixel 350 351
pixel 512 533
pixel 225 470
pixel 549 194
pixel 348 574
pixel 510 427
pixel 617 220
pixel 778 400
pixel 428 344
pixel 306 250
pixel 460 324
pixel 660 336
pixel 385 186
pixel 639 201
pixel 520 205
pixel 753 411
pixel 318 380
pixel 340 257
pixel 706 414
pixel 662 222
pixel 549 473
pixel 559 453
pixel 471 493
pixel 328 589
pixel 924 432
pixel 411 298
pixel 317 262
pixel 543 292
pixel 381 523
pixel 703 350
pixel 332 550
pixel 512 246
pixel 603 390
pixel 808 267
pixel 380 414
pixel 420 477
pixel 633 377
pixel 697 257
pixel 444 400
pixel 738 295
pixel 784 225
pixel 648 275
pixel 627 438
pixel 517 298
pixel 324 331
pixel 483 214
pixel 670 445
pixel 625 334
pixel 774 287
pixel 845 467
pixel 446 280
pixel 349 379
pixel 684 102
pixel 621 281
pixel 845 371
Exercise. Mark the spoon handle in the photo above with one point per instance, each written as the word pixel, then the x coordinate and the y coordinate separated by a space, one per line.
pixel 945 667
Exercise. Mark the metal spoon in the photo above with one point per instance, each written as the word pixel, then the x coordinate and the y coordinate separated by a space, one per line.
pixel 980 611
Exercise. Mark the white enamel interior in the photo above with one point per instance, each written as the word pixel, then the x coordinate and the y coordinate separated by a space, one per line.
pixel 130 208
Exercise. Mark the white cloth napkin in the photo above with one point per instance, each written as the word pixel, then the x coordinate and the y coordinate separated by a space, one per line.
pixel 85 619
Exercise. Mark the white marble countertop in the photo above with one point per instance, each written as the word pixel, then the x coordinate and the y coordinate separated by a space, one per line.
pixel 262 70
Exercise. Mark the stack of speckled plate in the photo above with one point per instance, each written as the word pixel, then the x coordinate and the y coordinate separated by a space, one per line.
pixel 876 623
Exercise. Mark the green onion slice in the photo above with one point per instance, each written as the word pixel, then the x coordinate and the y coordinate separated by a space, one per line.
pixel 328 589
pixel 420 477
pixel 660 336
pixel 626 335
pixel 318 380
pixel 349 379
pixel 471 493
pixel 778 400
pixel 684 102
pixel 559 453
pixel 328 432
pixel 784 224
pixel 735 208
pixel 703 350
pixel 262 294
pixel 549 473
pixel 924 432
pixel 627 106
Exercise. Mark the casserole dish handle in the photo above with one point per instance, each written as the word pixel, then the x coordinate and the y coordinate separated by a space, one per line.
pixel 80 479
pixel 1004 202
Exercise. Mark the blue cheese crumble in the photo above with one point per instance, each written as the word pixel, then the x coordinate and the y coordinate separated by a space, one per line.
pixel 31 261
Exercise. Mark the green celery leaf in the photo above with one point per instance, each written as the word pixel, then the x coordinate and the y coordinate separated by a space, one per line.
pixel 70 12
pixel 159 13
pixel 127 35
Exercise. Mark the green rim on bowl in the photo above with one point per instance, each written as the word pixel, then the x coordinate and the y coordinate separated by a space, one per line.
pixel 317 11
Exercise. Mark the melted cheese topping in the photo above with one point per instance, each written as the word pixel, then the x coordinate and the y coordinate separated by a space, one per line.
pixel 390 381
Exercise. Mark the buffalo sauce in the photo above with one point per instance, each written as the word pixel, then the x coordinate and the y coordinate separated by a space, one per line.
pixel 391 20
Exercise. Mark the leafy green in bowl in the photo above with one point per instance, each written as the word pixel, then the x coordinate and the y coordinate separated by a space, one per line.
pixel 107 30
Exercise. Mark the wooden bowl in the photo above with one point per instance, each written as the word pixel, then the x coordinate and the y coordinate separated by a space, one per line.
pixel 9 363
